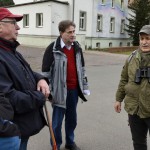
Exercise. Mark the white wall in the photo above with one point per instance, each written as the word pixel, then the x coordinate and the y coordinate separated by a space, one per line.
pixel 84 5
pixel 59 12
pixel 53 13
pixel 107 12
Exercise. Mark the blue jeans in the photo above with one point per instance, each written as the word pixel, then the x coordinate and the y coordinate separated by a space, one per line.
pixel 24 142
pixel 10 143
pixel 70 118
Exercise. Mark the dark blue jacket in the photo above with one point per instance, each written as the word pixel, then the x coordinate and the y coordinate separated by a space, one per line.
pixel 19 83
pixel 7 127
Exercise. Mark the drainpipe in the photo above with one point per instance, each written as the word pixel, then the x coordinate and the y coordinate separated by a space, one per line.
pixel 73 5
pixel 92 24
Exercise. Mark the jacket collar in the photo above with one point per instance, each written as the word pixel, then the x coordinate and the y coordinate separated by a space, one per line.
pixel 58 45
pixel 8 45
pixel 63 44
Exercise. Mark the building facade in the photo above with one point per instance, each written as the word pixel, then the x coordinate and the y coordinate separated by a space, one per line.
pixel 99 23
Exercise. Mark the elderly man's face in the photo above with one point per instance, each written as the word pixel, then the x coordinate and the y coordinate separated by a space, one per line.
pixel 9 29
pixel 144 42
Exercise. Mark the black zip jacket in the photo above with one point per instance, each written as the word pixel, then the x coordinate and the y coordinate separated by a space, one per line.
pixel 19 83
pixel 7 127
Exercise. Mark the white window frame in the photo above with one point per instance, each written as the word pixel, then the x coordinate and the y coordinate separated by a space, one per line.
pixel 120 44
pixel 103 2
pixel 128 43
pixel 99 22
pixel 110 44
pixel 82 21
pixel 122 4
pixel 112 24
pixel 122 26
pixel 25 20
pixel 112 3
pixel 39 20
pixel 98 44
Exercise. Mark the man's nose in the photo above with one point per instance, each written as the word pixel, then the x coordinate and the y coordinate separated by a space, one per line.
pixel 17 26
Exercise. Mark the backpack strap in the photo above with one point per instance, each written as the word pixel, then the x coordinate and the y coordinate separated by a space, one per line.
pixel 131 55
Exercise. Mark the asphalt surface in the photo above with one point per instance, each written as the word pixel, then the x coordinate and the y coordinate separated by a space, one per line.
pixel 99 126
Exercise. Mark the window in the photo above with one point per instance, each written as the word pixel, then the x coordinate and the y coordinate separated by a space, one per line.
pixel 122 4
pixel 26 20
pixel 112 3
pixel 82 22
pixel 39 20
pixel 103 1
pixel 122 26
pixel 97 45
pixel 120 44
pixel 128 44
pixel 99 22
pixel 112 24
pixel 110 44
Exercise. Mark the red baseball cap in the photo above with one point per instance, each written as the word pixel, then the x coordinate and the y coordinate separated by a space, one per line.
pixel 5 13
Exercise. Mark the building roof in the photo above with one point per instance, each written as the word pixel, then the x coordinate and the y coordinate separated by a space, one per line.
pixel 32 3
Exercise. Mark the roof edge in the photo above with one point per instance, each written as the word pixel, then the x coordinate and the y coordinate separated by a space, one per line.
pixel 30 3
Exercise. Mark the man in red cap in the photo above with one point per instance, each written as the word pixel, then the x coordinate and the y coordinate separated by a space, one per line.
pixel 25 89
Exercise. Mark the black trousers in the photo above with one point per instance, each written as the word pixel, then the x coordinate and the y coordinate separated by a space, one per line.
pixel 139 129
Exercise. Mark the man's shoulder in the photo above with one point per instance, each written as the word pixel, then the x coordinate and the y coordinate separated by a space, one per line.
pixel 77 43
pixel 133 54
pixel 77 46
pixel 50 46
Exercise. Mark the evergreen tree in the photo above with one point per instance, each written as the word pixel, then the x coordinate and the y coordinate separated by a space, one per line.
pixel 140 17
pixel 6 3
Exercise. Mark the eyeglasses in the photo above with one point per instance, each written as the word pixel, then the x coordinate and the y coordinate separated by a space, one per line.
pixel 8 21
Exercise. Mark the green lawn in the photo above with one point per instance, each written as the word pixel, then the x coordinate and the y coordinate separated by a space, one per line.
pixel 125 53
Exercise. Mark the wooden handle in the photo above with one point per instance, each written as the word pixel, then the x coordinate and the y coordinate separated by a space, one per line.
pixel 50 128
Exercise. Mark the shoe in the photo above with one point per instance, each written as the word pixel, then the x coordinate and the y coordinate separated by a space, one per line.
pixel 72 147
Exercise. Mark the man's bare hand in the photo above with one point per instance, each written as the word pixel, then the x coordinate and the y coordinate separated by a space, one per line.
pixel 43 87
pixel 117 106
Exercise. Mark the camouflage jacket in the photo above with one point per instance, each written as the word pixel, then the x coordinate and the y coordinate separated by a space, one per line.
pixel 136 96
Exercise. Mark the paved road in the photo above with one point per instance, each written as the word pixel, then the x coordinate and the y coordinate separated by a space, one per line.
pixel 99 127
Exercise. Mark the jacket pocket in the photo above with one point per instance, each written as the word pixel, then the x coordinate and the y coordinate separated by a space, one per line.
pixel 132 90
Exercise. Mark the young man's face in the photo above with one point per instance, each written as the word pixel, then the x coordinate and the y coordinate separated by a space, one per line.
pixel 68 36
pixel 144 42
